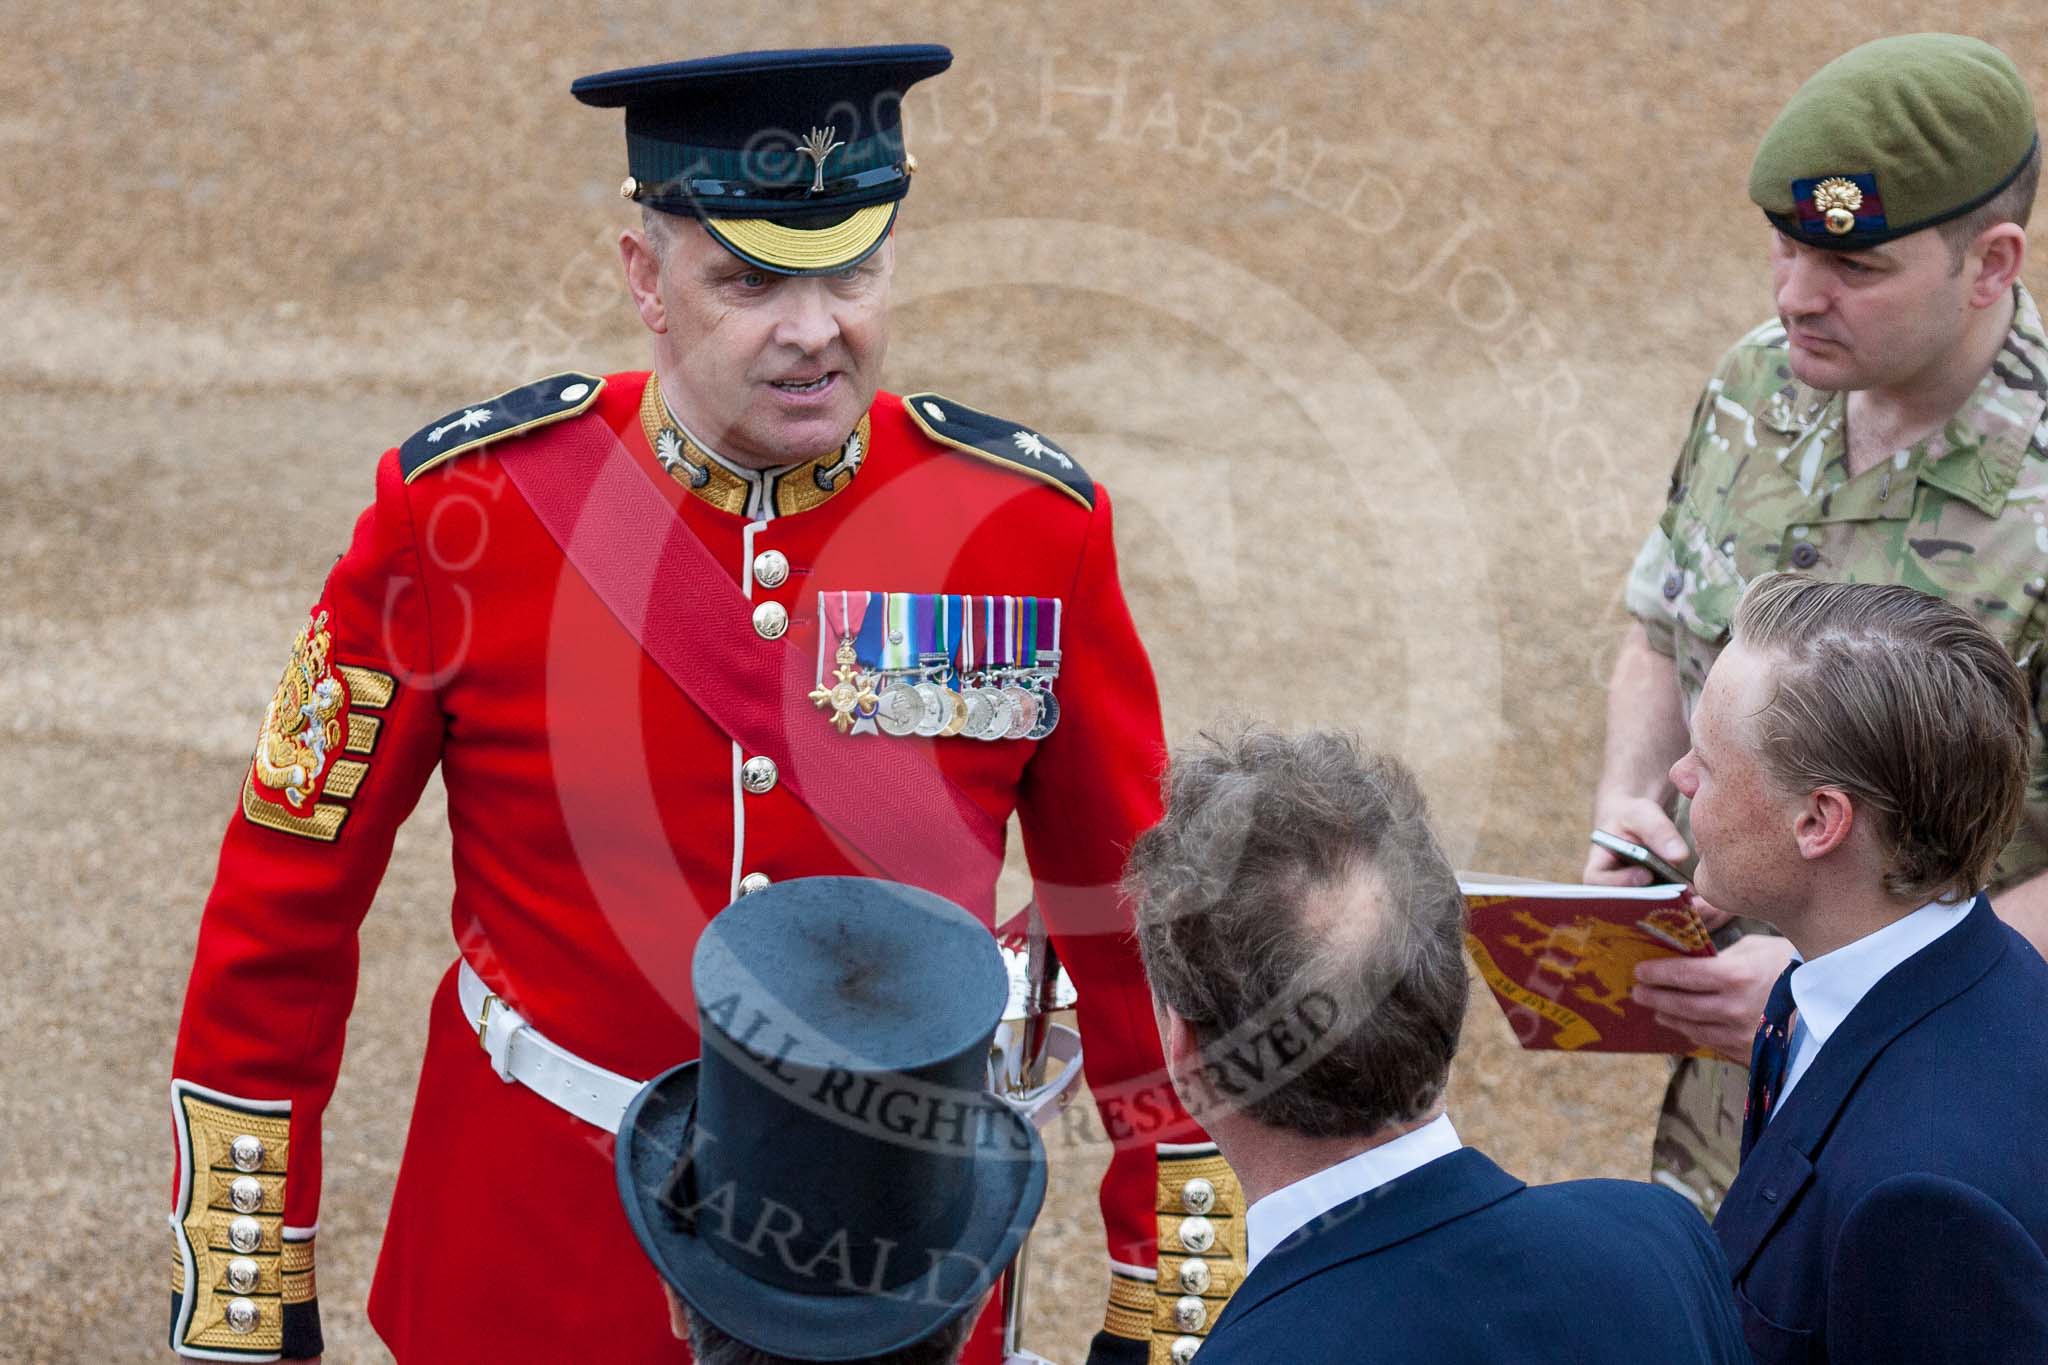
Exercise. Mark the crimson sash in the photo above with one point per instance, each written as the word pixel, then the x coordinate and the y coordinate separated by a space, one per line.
pixel 689 616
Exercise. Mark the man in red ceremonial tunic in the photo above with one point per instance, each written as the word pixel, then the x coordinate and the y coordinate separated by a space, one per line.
pixel 601 811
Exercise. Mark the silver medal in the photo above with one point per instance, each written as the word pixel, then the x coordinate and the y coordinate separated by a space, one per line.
pixel 900 709
pixel 936 702
pixel 979 712
pixel 1048 715
pixel 1023 712
pixel 1000 713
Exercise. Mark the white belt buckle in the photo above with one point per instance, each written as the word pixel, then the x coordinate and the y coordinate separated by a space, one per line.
pixel 498 1025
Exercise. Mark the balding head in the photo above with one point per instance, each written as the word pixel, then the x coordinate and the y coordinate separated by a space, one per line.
pixel 1295 910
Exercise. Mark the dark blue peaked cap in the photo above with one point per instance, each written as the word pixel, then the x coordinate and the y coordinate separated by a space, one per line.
pixel 794 160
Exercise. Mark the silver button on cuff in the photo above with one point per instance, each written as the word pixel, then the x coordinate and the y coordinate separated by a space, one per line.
pixel 1190 1314
pixel 1198 1196
pixel 770 620
pixel 246 1152
pixel 759 774
pixel 242 1275
pixel 1197 1234
pixel 752 882
pixel 771 568
pixel 242 1317
pixel 245 1234
pixel 246 1194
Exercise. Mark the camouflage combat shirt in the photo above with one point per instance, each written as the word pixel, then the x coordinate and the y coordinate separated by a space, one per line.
pixel 1762 483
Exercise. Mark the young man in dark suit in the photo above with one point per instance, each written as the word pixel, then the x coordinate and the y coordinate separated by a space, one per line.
pixel 1859 756
pixel 1303 937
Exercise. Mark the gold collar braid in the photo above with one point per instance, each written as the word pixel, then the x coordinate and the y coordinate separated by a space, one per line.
pixel 759 493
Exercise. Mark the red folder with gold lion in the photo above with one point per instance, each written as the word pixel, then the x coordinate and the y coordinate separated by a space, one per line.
pixel 1561 958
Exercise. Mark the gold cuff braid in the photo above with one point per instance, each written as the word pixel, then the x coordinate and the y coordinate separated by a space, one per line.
pixel 1200 1211
pixel 1130 1307
pixel 233 1269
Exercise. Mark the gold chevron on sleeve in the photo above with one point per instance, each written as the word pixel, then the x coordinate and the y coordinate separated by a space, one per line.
pixel 362 733
pixel 323 824
pixel 367 688
pixel 345 777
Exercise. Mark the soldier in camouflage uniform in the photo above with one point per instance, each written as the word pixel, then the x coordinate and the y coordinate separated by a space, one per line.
pixel 1890 426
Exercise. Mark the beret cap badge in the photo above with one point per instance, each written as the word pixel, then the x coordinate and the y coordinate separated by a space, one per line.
pixel 1838 199
pixel 1935 125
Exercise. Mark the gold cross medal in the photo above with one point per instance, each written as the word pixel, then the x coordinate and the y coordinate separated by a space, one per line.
pixel 850 698
pixel 850 694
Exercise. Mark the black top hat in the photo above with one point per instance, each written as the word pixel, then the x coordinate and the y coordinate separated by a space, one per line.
pixel 794 161
pixel 832 1180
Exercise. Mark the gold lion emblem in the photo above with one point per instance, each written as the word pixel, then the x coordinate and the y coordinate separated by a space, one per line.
pixel 1588 947
pixel 1838 199
pixel 302 728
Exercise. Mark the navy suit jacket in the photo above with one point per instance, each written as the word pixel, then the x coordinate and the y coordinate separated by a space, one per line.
pixel 1459 1263
pixel 1896 1208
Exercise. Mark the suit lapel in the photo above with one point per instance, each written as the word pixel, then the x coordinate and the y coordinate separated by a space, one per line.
pixel 1782 1162
pixel 1428 1197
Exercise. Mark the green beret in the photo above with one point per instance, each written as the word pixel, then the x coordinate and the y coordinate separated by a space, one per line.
pixel 1893 137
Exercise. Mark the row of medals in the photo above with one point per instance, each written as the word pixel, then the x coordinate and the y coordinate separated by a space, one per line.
pixel 991 704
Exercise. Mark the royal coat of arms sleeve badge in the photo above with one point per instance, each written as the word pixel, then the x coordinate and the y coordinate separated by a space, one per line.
pixel 305 725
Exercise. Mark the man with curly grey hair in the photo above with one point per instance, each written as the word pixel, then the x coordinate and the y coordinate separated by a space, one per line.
pixel 1301 931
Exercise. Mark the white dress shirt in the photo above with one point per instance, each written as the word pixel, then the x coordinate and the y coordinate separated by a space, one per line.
pixel 1291 1208
pixel 1827 988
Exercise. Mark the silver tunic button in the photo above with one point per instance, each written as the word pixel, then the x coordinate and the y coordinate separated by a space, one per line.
pixel 1197 1234
pixel 758 774
pixel 246 1194
pixel 245 1234
pixel 241 1275
pixel 1184 1349
pixel 1194 1276
pixel 242 1316
pixel 770 620
pixel 752 882
pixel 1198 1196
pixel 246 1152
pixel 771 568
pixel 1190 1314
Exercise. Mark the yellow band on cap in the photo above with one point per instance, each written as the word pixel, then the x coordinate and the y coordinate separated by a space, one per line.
pixel 787 248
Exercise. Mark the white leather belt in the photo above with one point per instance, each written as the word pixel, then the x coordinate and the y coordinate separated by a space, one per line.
pixel 519 1052
pixel 1041 1104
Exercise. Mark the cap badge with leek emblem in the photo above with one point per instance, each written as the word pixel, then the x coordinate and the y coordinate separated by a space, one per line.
pixel 818 144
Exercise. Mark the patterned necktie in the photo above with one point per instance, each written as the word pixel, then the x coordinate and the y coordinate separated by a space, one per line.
pixel 1769 1055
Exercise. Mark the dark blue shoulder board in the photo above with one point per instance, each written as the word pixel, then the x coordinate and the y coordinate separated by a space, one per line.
pixel 1004 442
pixel 515 410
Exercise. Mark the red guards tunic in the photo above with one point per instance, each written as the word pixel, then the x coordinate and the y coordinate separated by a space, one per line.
pixel 598 818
